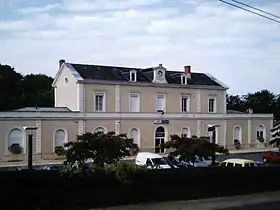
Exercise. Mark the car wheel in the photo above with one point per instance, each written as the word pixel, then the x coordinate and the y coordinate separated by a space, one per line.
pixel 265 160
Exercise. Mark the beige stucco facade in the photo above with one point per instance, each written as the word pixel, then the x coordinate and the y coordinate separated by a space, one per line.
pixel 79 97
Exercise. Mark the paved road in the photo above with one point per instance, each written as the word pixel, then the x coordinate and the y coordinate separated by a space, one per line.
pixel 261 201
pixel 274 205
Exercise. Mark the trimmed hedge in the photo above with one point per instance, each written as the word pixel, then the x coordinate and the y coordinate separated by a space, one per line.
pixel 50 190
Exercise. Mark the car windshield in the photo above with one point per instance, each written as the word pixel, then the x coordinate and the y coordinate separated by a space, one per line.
pixel 159 161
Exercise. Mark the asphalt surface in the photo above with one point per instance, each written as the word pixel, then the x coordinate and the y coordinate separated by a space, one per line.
pixel 275 205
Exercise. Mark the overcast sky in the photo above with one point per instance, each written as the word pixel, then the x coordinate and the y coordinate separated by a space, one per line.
pixel 238 48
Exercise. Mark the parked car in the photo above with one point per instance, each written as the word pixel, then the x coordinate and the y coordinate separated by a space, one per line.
pixel 237 162
pixel 176 163
pixel 151 160
pixel 271 157
pixel 196 163
pixel 260 163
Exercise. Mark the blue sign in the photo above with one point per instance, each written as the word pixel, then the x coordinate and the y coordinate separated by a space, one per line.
pixel 161 121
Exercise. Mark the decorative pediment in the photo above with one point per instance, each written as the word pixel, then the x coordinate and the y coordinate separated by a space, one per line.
pixel 159 74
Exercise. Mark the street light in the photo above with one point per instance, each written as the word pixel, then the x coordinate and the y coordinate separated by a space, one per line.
pixel 212 128
pixel 29 131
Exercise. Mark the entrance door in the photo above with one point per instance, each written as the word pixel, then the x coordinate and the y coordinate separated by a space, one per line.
pixel 159 139
pixel 212 133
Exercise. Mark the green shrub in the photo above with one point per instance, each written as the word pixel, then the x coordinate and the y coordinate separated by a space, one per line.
pixel 15 149
pixel 125 172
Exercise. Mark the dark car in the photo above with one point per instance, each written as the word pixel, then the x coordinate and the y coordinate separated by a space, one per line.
pixel 271 157
pixel 175 163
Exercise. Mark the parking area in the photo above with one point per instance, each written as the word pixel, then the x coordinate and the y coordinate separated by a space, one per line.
pixel 255 156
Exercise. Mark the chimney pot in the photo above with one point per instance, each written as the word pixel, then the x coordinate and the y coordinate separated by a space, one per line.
pixel 188 71
pixel 61 61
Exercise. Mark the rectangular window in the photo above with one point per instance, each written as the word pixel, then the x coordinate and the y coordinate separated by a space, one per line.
pixel 160 102
pixel 183 80
pixel 134 102
pixel 185 103
pixel 100 102
pixel 133 76
pixel 211 105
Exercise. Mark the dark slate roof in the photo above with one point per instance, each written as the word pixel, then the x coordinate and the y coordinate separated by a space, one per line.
pixel 113 73
pixel 43 109
pixel 235 112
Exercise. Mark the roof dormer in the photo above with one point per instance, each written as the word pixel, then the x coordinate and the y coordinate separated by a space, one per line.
pixel 184 79
pixel 133 76
pixel 159 74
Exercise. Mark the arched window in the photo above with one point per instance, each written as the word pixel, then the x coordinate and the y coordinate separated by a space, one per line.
pixel 60 138
pixel 16 136
pixel 99 129
pixel 185 133
pixel 237 133
pixel 260 132
pixel 134 134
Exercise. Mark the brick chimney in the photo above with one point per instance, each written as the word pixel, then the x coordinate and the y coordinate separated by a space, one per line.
pixel 60 62
pixel 188 71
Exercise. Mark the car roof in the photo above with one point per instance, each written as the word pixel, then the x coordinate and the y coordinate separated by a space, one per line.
pixel 238 160
pixel 149 154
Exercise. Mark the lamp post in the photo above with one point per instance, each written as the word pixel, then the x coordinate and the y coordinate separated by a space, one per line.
pixel 29 131
pixel 212 128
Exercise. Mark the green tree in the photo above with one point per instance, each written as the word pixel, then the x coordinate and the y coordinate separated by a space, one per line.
pixel 36 90
pixel 262 101
pixel 18 91
pixel 235 102
pixel 187 149
pixel 10 87
pixel 101 148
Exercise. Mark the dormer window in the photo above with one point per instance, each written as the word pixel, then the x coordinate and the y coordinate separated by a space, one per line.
pixel 184 80
pixel 133 76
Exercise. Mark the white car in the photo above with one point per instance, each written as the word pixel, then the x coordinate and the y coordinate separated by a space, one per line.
pixel 151 160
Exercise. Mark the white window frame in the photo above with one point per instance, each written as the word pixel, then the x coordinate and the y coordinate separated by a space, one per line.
pixel 138 102
pixel 184 80
pixel 164 102
pixel 214 105
pixel 133 72
pixel 188 103
pixel 103 101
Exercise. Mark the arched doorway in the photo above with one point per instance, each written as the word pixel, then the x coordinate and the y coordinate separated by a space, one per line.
pixel 159 139
pixel 261 132
pixel 212 132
